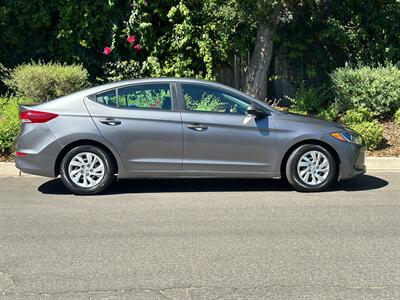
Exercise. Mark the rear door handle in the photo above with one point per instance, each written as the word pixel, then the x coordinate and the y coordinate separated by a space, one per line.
pixel 197 127
pixel 110 121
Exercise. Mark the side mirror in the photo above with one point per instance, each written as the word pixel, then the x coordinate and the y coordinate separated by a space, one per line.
pixel 257 111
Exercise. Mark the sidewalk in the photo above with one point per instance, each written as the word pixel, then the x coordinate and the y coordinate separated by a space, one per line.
pixel 372 163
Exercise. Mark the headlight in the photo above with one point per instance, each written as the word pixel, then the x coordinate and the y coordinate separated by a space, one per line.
pixel 348 137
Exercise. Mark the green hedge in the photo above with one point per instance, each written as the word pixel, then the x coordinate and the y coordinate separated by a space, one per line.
pixel 375 89
pixel 371 132
pixel 356 116
pixel 9 122
pixel 44 82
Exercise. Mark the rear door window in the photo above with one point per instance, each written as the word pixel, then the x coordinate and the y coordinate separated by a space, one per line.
pixel 149 96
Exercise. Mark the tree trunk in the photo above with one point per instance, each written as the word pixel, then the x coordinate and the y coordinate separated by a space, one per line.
pixel 257 72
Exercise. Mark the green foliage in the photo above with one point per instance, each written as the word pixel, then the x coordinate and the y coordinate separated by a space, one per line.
pixel 361 120
pixel 311 100
pixel 9 122
pixel 329 114
pixel 207 103
pixel 375 89
pixel 67 31
pixel 186 38
pixel 120 70
pixel 4 74
pixel 356 116
pixel 397 116
pixel 324 35
pixel 146 99
pixel 371 132
pixel 44 82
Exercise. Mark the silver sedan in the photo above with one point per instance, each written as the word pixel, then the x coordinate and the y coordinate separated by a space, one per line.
pixel 174 127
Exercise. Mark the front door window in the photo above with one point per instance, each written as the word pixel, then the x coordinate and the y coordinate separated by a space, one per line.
pixel 206 99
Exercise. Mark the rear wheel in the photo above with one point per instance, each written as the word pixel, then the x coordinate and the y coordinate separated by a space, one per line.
pixel 87 170
pixel 311 168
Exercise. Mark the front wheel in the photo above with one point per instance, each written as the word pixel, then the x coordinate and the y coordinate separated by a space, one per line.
pixel 87 170
pixel 311 168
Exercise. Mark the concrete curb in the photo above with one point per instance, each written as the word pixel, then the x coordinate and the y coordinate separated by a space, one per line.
pixel 372 163
pixel 383 163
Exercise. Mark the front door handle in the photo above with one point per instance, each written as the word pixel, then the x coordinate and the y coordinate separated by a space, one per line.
pixel 110 121
pixel 197 127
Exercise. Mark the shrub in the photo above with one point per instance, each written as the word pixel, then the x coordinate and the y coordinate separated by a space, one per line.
pixel 397 116
pixel 376 89
pixel 9 122
pixel 371 132
pixel 329 114
pixel 312 100
pixel 44 82
pixel 355 116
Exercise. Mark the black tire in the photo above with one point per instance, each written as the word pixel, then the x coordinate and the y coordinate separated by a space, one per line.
pixel 104 183
pixel 294 178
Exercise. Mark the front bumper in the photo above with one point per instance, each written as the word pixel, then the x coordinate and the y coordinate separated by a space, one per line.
pixel 354 164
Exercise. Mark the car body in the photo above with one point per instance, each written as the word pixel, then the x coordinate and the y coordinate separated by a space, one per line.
pixel 175 127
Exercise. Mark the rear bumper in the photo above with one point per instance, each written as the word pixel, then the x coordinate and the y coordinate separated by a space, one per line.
pixel 36 164
pixel 40 148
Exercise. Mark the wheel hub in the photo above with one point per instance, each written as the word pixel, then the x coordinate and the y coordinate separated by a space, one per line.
pixel 86 169
pixel 313 167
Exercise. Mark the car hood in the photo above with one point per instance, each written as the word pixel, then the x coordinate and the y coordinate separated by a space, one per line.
pixel 312 120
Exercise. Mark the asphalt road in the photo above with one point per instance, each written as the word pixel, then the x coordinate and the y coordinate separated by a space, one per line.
pixel 200 239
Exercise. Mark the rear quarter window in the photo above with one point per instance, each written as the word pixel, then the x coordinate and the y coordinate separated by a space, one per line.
pixel 108 98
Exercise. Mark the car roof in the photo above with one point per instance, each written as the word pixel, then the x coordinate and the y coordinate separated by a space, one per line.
pixel 117 84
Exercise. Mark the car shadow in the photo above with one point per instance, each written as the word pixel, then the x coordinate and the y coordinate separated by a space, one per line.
pixel 125 186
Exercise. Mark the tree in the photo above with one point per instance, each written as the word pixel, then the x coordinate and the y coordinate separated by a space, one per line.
pixel 267 13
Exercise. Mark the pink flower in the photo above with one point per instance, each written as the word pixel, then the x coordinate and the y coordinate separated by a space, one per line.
pixel 138 47
pixel 131 39
pixel 156 105
pixel 107 50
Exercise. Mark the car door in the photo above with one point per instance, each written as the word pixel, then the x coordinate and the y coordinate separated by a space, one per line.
pixel 140 122
pixel 218 135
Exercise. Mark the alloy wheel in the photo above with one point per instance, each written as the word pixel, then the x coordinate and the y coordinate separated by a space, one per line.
pixel 86 169
pixel 313 167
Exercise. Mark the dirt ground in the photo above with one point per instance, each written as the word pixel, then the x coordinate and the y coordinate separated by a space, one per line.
pixel 391 143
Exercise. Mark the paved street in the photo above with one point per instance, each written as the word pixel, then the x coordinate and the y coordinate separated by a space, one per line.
pixel 200 239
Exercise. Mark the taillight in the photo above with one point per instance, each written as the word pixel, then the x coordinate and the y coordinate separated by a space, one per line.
pixel 34 116
pixel 20 154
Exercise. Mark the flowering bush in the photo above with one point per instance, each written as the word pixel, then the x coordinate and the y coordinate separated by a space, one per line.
pixel 175 38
